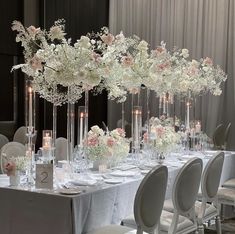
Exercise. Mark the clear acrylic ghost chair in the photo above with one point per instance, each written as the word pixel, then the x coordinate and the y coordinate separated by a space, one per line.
pixel 11 149
pixel 148 205
pixel 3 140
pixel 61 145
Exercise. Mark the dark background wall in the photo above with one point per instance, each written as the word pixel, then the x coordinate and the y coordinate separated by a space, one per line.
pixel 82 16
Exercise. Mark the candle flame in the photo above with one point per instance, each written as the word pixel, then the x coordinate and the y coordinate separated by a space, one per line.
pixel 30 89
pixel 188 103
pixel 82 115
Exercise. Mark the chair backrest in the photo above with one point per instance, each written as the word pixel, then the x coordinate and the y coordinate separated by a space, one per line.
pixel 3 140
pixel 226 133
pixel 61 145
pixel 20 135
pixel 149 199
pixel 218 136
pixel 186 185
pixel 11 149
pixel 211 176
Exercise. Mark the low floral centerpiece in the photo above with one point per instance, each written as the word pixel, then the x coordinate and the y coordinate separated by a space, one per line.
pixel 163 138
pixel 106 147
pixel 14 167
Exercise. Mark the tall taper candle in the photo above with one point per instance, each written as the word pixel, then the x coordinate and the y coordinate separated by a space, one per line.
pixel 30 107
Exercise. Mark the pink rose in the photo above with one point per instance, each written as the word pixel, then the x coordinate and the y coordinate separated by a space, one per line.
pixel 92 141
pixel 127 61
pixel 36 63
pixel 33 31
pixel 10 168
pixel 107 39
pixel 163 66
pixel 160 131
pixel 208 61
pixel 192 71
pixel 110 142
pixel 121 132
pixel 159 50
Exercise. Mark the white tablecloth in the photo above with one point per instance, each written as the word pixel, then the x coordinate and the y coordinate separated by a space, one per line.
pixel 47 212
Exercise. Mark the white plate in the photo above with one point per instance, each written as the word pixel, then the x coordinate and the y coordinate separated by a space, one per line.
pixel 69 191
pixel 126 167
pixel 113 181
pixel 123 173
pixel 211 151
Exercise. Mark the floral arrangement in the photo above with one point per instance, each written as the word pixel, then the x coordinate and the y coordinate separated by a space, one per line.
pixel 15 164
pixel 60 72
pixel 101 145
pixel 164 121
pixel 162 138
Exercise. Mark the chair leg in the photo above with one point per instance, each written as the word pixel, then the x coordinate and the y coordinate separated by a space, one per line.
pixel 200 229
pixel 218 224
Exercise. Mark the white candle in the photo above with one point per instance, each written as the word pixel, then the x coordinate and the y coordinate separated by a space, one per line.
pixel 187 124
pixel 30 108
pixel 164 104
pixel 47 141
pixel 136 128
pixel 198 127
pixel 81 128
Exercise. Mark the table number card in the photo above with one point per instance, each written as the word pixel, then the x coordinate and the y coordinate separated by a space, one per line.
pixel 44 176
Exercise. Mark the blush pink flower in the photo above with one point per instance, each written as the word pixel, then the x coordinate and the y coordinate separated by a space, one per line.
pixel 110 142
pixel 36 63
pixel 163 66
pixel 127 61
pixel 159 50
pixel 208 61
pixel 33 31
pixel 92 141
pixel 193 71
pixel 121 132
pixel 107 39
pixel 10 168
pixel 160 131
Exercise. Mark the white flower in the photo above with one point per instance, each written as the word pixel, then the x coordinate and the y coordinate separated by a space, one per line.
pixel 56 32
pixel 185 53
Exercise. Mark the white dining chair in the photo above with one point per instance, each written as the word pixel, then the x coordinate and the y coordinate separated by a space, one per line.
pixel 61 145
pixel 9 150
pixel 3 140
pixel 148 205
pixel 208 208
pixel 182 220
pixel 20 135
pixel 209 187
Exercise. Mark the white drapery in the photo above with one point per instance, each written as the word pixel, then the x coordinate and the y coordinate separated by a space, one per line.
pixel 205 27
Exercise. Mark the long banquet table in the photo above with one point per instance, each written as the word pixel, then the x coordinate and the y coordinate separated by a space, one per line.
pixel 34 211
